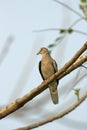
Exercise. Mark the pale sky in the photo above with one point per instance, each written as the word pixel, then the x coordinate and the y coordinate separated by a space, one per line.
pixel 19 68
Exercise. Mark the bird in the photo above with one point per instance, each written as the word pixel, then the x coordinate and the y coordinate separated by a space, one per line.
pixel 47 67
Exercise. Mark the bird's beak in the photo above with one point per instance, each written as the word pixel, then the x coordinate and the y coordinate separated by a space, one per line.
pixel 38 53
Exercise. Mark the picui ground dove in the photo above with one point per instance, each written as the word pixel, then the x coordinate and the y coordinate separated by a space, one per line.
pixel 47 67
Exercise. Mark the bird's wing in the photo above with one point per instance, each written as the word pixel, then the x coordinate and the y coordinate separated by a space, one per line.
pixel 55 67
pixel 53 85
pixel 40 70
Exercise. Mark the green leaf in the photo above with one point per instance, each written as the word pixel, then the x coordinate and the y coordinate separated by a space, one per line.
pixel 51 45
pixel 76 92
pixel 58 38
pixel 62 30
pixel 70 30
pixel 83 1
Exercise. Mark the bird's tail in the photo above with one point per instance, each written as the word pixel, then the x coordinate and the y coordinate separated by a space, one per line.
pixel 53 92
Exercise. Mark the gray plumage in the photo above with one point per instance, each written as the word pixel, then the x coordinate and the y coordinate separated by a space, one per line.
pixel 48 67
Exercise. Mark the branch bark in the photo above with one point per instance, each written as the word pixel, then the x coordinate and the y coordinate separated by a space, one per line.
pixel 67 68
pixel 57 116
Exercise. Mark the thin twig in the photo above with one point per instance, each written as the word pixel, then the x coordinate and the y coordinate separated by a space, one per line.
pixel 6 48
pixel 84 66
pixel 57 116
pixel 69 8
pixel 76 64
pixel 60 29
pixel 47 29
pixel 75 22
pixel 78 31
pixel 36 91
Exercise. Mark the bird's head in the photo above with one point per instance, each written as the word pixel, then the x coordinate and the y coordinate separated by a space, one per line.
pixel 43 51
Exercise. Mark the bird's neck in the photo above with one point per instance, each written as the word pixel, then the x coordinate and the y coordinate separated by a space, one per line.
pixel 46 56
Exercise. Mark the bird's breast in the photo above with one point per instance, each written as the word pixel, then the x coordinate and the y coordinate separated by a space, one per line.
pixel 47 69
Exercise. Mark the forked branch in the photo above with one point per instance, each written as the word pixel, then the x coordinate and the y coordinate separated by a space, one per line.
pixel 74 63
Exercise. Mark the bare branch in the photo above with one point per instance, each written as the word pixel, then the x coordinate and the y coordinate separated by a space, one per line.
pixel 68 7
pixel 84 66
pixel 47 29
pixel 76 21
pixel 78 31
pixel 67 68
pixel 78 63
pixel 6 48
pixel 61 29
pixel 57 116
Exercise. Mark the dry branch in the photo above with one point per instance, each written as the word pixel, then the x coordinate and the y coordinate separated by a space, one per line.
pixel 57 116
pixel 75 65
pixel 67 68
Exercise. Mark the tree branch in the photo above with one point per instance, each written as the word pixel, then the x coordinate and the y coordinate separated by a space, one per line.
pixel 68 7
pixel 75 65
pixel 57 116
pixel 60 29
pixel 67 68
